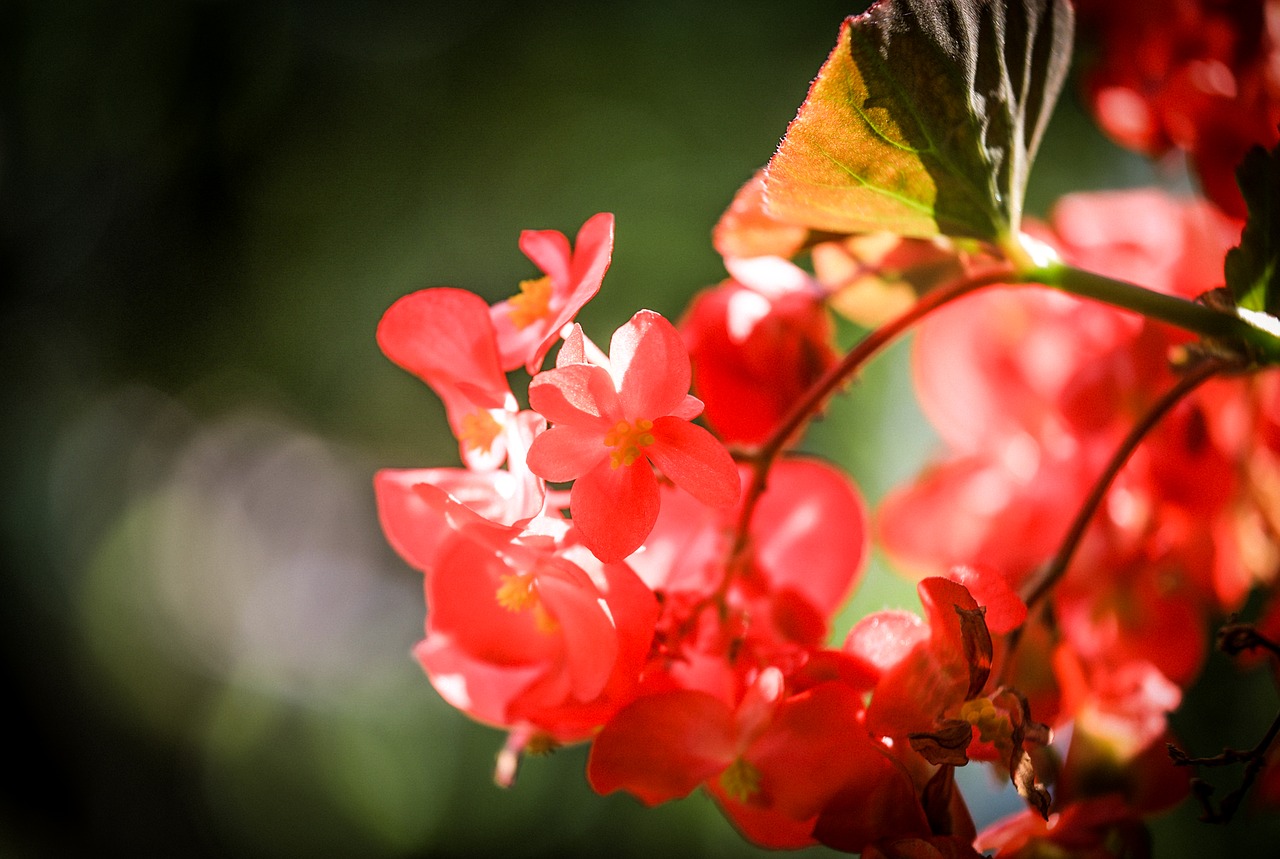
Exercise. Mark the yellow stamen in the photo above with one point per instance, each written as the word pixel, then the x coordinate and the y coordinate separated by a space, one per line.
pixel 519 592
pixel 479 430
pixel 532 304
pixel 626 441
pixel 741 780
pixel 994 725
pixel 516 592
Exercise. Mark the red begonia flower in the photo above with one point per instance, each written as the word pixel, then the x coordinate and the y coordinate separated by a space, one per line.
pixel 521 634
pixel 774 762
pixel 611 427
pixel 444 337
pixel 528 324
pixel 758 343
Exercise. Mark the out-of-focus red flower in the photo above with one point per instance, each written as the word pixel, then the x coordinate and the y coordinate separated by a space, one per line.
pixel 1202 76
pixel 612 426
pixel 1102 828
pixel 757 343
pixel 775 762
pixel 529 323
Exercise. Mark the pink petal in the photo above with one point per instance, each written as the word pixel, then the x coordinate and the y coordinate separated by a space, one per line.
pixel 810 531
pixel 1005 609
pixel 549 251
pixel 591 256
pixel 662 746
pixel 578 394
pixel 574 350
pixel 566 453
pixel 693 460
pixel 615 508
pixel 590 639
pixel 688 409
pixel 419 508
pixel 444 337
pixel 480 689
pixel 650 366
pixel 884 638
pixel 414 528
pixel 593 249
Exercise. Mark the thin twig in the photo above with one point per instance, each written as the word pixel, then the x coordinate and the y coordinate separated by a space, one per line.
pixel 815 398
pixel 1040 587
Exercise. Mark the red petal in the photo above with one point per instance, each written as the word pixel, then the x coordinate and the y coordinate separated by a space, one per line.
pixel 566 452
pixel 615 508
pixel 881 803
pixel 810 531
pixel 1005 609
pixel 650 366
pixel 580 394
pixel 444 337
pixel 814 746
pixel 414 528
pixel 549 250
pixel 662 746
pixel 462 596
pixel 693 460
pixel 590 640
pixel 480 689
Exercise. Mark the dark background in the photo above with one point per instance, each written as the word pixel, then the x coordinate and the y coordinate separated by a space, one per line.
pixel 204 209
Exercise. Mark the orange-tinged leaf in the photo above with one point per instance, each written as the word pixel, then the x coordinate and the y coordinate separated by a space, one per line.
pixel 924 120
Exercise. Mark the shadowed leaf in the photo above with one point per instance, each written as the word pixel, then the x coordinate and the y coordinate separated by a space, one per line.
pixel 925 119
pixel 1253 267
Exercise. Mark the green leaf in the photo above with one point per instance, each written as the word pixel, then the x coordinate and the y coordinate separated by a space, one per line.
pixel 1253 268
pixel 925 119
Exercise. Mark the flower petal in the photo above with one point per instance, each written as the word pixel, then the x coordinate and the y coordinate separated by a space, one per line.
pixel 444 337
pixel 650 366
pixel 566 452
pixel 549 251
pixel 662 746
pixel 615 508
pixel 694 461
pixel 578 394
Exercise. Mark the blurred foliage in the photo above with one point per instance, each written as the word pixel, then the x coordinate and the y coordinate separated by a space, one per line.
pixel 204 209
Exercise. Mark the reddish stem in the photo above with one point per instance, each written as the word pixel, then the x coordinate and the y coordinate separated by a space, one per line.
pixel 1039 587
pixel 835 378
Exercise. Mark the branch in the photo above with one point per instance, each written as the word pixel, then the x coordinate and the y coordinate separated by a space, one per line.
pixel 1226 325
pixel 1038 588
pixel 815 398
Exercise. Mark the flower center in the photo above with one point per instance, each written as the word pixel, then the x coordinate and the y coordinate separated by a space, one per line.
pixel 626 441
pixel 741 780
pixel 479 430
pixel 993 724
pixel 518 592
pixel 532 304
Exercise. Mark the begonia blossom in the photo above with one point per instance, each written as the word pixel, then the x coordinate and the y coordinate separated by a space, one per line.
pixel 612 426
pixel 444 337
pixel 528 324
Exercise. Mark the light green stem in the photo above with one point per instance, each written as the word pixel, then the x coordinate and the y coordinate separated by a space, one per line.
pixel 1192 316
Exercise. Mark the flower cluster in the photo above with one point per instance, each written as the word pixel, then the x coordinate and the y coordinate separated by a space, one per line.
pixel 1201 76
pixel 658 572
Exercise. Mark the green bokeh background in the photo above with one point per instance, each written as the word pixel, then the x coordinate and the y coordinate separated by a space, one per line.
pixel 204 209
